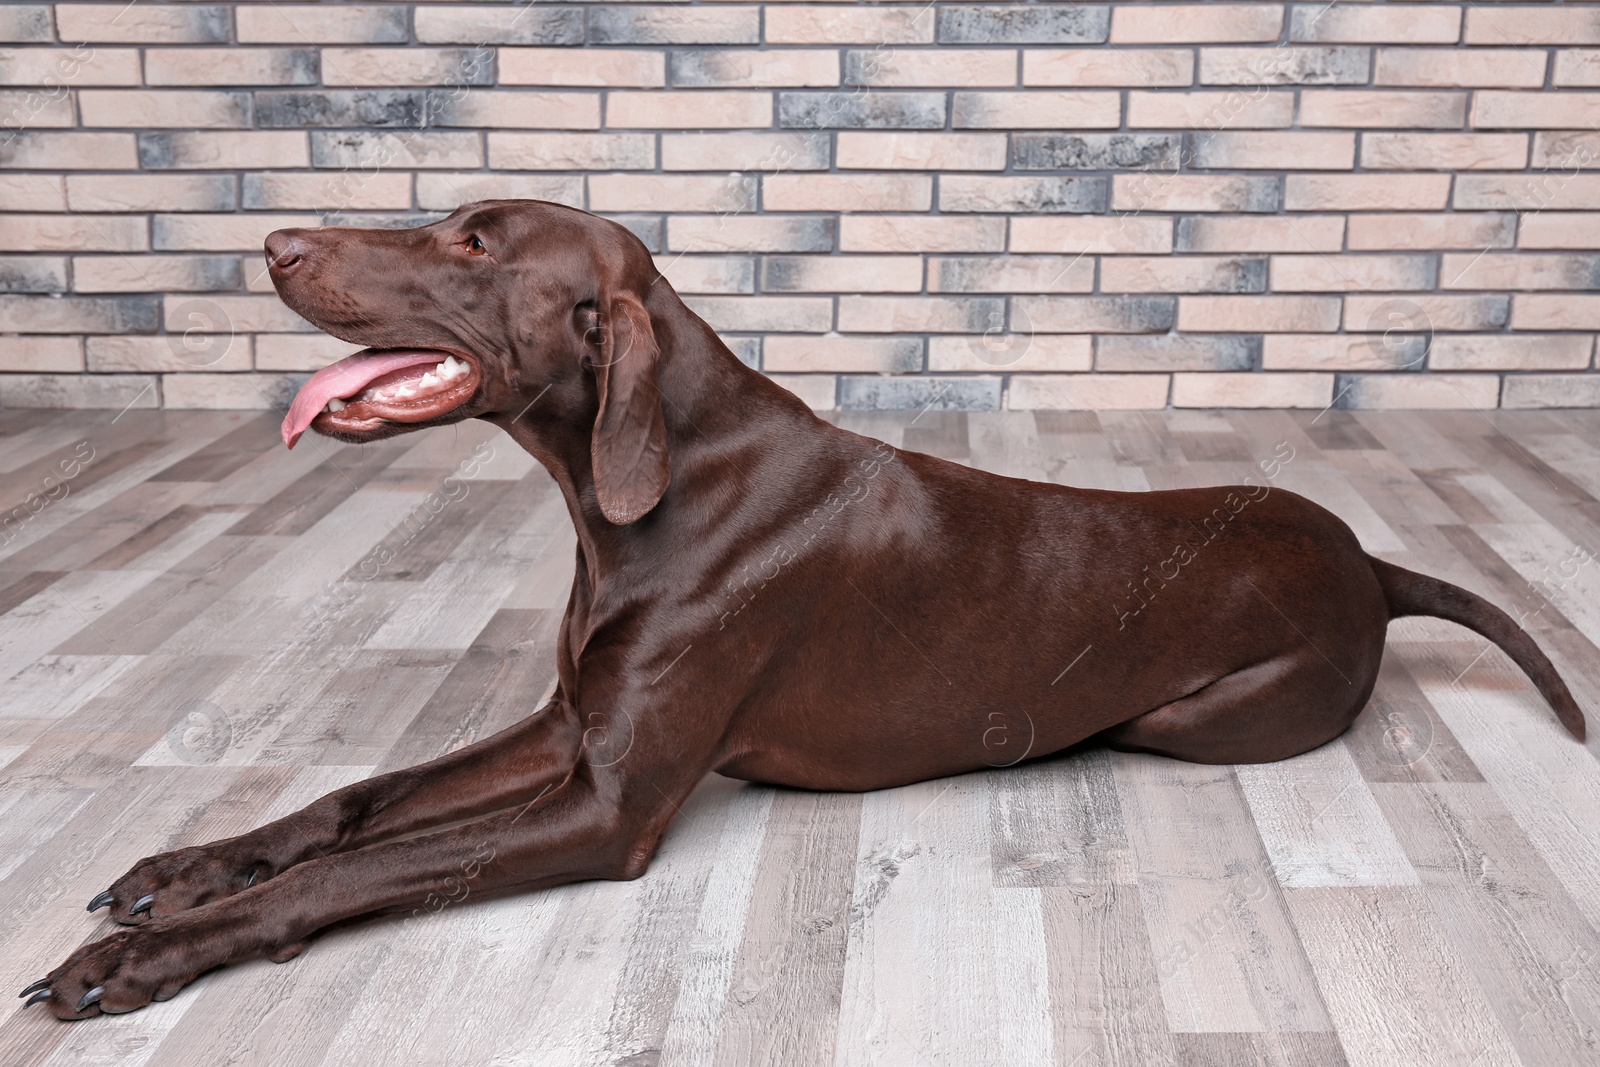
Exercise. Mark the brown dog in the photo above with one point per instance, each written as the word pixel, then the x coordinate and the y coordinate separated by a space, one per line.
pixel 757 593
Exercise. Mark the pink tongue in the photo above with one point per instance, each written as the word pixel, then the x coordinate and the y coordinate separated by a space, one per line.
pixel 346 378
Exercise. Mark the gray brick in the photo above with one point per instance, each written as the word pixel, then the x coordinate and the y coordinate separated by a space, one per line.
pixel 1029 24
pixel 79 391
pixel 915 394
pixel 674 24
pixel 651 229
pixel 1178 352
pixel 1095 151
pixel 341 107
pixel 80 314
pixel 377 220
pixel 33 274
pixel 1329 65
pixel 1068 194
pixel 748 349
pixel 519 23
pixel 861 110
pixel 30 22
pixel 1108 314
pixel 369 149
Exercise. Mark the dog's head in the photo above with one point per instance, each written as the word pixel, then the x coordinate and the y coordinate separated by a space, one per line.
pixel 481 314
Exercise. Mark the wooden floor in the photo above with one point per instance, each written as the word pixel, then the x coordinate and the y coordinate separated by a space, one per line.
pixel 203 632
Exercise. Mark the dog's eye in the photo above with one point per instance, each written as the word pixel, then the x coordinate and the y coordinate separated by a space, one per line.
pixel 475 246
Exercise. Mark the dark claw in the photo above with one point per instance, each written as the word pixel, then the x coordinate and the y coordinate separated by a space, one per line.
pixel 43 994
pixel 40 984
pixel 91 997
pixel 252 881
pixel 100 901
pixel 142 904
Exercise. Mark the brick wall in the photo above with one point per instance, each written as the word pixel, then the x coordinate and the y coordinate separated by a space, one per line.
pixel 973 205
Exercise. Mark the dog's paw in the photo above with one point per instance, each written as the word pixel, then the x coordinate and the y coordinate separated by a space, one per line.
pixel 123 972
pixel 174 882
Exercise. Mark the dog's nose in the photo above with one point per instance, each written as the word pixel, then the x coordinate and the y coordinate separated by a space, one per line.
pixel 285 250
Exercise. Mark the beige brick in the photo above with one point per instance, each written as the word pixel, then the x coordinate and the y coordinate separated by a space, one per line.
pixel 1195 23
pixel 1087 392
pixel 163 107
pixel 1457 229
pixel 719 193
pixel 749 233
pixel 758 314
pixel 1365 192
pixel 331 191
pixel 1444 151
pixel 1022 194
pixel 321 24
pixel 1519 270
pixel 1551 391
pixel 62 355
pixel 1011 274
pixel 698 109
pixel 841 353
pixel 847 192
pixel 215 150
pixel 24 109
pixel 1379 312
pixel 960 67
pixel 230 66
pixel 79 391
pixel 1181 274
pixel 26 22
pixel 407 66
pixel 150 192
pixel 1165 191
pixel 920 314
pixel 33 192
pixel 1351 273
pixel 1525 25
pixel 841 274
pixel 1564 150
pixel 1508 109
pixel 749 68
pixel 1500 351
pixel 892 150
pixel 74 67
pixel 1125 234
pixel 1539 191
pixel 1342 352
pixel 299 351
pixel 1147 68
pixel 1383 108
pixel 77 314
pixel 1092 314
pixel 1211 109
pixel 1016 352
pixel 1258 314
pixel 498 24
pixel 921 233
pixel 600 67
pixel 770 153
pixel 1510 68
pixel 708 274
pixel 224 314
pixel 226 392
pixel 175 352
pixel 1275 150
pixel 572 151
pixel 50 150
pixel 1576 67
pixel 1546 229
pixel 1243 233
pixel 514 109
pixel 1244 390
pixel 1420 391
pixel 674 24
pixel 1377 24
pixel 142 23
pixel 819 391
pixel 372 151
pixel 448 191
pixel 805 24
pixel 1555 311
pixel 221 233
pixel 145 274
pixel 73 233
pixel 1035 110
pixel 1283 65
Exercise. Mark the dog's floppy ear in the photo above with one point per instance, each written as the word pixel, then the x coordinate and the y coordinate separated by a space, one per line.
pixel 629 444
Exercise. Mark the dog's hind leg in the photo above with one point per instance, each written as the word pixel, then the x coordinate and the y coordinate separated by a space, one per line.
pixel 514 767
pixel 1271 710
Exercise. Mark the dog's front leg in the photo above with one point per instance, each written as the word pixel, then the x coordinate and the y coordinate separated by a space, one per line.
pixel 507 769
pixel 598 823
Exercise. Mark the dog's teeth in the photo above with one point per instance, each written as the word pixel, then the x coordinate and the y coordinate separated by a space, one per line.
pixel 335 405
pixel 405 392
pixel 450 369
pixel 429 381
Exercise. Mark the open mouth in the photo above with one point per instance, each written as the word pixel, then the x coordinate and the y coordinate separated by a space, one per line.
pixel 363 391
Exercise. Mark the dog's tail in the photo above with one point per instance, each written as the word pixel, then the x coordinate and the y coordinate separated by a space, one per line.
pixel 1410 593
